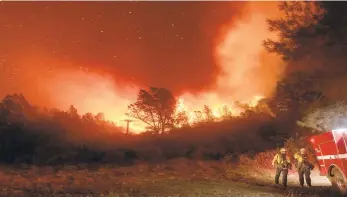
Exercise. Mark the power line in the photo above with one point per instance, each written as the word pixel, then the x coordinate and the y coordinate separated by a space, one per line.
pixel 128 123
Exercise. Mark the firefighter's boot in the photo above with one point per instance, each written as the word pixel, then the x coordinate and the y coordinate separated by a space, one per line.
pixel 284 177
pixel 308 177
pixel 277 176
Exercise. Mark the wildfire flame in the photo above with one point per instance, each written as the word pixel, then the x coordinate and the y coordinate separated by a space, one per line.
pixel 248 74
pixel 217 111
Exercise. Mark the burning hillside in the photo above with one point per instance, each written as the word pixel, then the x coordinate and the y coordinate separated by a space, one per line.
pixel 246 73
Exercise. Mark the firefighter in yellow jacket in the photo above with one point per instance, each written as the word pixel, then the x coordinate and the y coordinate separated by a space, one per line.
pixel 304 167
pixel 282 164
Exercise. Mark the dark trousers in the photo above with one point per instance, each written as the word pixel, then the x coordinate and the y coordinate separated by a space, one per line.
pixel 305 171
pixel 284 172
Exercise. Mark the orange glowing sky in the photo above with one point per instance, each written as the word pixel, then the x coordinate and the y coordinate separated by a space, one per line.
pixel 96 55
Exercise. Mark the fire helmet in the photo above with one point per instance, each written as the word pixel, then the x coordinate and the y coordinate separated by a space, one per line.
pixel 283 150
pixel 302 150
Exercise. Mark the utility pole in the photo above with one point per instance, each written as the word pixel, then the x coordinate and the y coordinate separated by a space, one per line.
pixel 128 123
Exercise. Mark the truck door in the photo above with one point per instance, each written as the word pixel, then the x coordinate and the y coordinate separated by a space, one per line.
pixel 321 162
pixel 329 155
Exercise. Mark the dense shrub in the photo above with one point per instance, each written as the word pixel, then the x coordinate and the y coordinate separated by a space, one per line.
pixel 53 137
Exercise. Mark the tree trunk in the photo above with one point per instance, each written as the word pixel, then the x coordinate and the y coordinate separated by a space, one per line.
pixel 162 128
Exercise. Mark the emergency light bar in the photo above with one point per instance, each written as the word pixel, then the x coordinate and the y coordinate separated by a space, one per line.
pixel 339 130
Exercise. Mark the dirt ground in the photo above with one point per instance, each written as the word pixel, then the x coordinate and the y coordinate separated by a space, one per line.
pixel 175 178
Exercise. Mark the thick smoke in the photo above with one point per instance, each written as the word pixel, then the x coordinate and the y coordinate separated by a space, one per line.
pixel 247 69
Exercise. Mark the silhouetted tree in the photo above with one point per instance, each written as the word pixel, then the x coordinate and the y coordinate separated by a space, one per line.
pixel 182 119
pixel 88 117
pixel 156 108
pixel 73 111
pixel 312 41
pixel 312 38
pixel 226 113
pixel 315 62
pixel 208 114
pixel 296 29
pixel 100 117
pixel 199 117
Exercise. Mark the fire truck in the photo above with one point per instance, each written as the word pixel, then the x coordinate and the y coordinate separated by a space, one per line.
pixel 331 151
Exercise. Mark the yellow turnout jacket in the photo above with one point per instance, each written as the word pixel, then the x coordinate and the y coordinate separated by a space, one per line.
pixel 302 161
pixel 281 161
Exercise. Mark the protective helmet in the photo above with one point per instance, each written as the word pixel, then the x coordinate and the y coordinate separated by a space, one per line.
pixel 283 150
pixel 302 150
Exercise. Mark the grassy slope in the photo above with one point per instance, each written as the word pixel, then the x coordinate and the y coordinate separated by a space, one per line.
pixel 178 177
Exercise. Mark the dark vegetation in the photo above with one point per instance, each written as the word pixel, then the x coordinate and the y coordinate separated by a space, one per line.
pixel 313 44
pixel 49 137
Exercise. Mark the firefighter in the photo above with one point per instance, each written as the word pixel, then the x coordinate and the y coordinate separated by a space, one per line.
pixel 282 163
pixel 304 167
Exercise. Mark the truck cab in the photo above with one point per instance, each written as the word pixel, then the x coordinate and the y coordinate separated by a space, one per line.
pixel 331 152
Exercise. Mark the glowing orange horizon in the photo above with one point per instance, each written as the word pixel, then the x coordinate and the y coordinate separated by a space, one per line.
pixel 248 74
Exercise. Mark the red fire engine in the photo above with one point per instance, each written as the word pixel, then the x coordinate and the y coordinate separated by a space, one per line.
pixel 331 151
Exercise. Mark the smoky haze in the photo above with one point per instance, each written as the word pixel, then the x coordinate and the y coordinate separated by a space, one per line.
pixel 96 55
pixel 147 43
